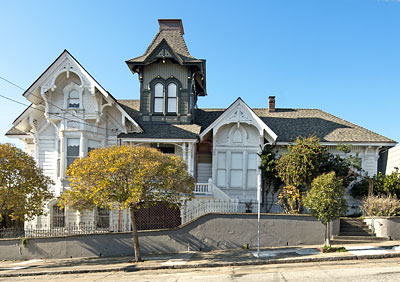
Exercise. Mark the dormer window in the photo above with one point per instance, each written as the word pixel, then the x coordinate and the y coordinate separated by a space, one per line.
pixel 165 96
pixel 73 99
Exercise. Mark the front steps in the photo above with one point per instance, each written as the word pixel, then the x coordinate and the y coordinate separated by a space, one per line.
pixel 355 231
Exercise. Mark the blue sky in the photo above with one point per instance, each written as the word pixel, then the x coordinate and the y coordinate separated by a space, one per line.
pixel 339 56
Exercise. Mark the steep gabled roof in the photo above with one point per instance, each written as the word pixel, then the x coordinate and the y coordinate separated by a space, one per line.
pixel 174 39
pixel 240 112
pixel 33 92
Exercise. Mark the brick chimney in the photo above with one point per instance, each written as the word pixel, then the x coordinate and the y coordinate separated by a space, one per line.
pixel 171 24
pixel 271 104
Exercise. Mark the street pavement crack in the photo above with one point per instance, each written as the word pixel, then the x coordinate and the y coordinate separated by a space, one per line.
pixel 283 277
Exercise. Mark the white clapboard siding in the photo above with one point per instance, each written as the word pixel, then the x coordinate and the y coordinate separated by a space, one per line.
pixel 47 157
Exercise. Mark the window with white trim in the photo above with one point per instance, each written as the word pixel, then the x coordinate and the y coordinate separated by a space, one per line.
pixel 58 218
pixel 165 96
pixel 93 144
pixel 102 218
pixel 72 96
pixel 73 99
pixel 172 97
pixel 221 169
pixel 252 170
pixel 236 169
pixel 159 98
pixel 72 150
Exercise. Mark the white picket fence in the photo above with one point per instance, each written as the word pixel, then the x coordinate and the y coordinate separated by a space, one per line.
pixel 208 206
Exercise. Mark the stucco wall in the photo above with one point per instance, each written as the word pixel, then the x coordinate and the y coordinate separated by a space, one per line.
pixel 210 232
pixel 385 227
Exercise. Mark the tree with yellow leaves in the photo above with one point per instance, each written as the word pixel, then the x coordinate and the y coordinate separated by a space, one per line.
pixel 132 177
pixel 23 186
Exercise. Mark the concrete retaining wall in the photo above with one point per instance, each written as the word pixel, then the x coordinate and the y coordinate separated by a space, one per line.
pixel 209 232
pixel 386 227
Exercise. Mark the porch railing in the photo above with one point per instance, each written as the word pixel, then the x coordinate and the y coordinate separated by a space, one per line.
pixel 203 188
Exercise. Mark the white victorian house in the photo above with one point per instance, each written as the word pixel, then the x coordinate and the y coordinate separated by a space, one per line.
pixel 71 114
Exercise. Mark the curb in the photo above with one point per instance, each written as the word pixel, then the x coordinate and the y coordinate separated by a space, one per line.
pixel 135 268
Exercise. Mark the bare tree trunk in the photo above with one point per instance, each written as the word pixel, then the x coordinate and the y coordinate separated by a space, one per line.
pixel 370 186
pixel 136 247
pixel 327 237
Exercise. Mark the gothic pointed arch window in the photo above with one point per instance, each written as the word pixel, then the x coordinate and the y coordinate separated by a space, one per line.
pixel 158 97
pixel 165 95
pixel 73 96
pixel 58 216
pixel 73 99
pixel 172 97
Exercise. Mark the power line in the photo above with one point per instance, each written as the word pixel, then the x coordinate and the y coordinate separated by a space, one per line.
pixel 68 119
pixel 21 88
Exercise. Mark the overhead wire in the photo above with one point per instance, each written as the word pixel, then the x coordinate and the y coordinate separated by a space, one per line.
pixel 50 103
pixel 40 110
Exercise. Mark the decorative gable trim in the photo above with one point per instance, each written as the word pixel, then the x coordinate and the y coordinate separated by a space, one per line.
pixel 67 63
pixel 240 112
pixel 163 51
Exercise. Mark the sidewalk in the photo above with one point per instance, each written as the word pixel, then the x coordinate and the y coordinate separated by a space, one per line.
pixel 236 257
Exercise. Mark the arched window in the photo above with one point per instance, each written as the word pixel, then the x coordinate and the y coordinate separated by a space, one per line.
pixel 165 96
pixel 159 98
pixel 172 94
pixel 102 218
pixel 58 219
pixel 73 99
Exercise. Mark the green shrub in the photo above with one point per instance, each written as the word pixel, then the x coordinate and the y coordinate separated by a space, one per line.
pixel 381 206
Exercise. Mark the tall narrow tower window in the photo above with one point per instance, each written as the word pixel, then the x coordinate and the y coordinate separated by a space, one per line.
pixel 172 97
pixel 158 98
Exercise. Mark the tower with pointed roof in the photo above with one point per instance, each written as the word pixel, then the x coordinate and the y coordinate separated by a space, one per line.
pixel 171 80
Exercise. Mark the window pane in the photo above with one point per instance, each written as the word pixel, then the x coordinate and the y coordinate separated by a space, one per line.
pixel 221 160
pixel 58 217
pixel 252 161
pixel 70 160
pixel 73 103
pixel 221 178
pixel 236 178
pixel 103 218
pixel 158 105
pixel 73 99
pixel 251 179
pixel 73 147
pixel 237 160
pixel 172 105
pixel 93 144
pixel 171 90
pixel 74 94
pixel 159 90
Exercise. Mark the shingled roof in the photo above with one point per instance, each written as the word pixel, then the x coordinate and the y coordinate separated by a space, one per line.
pixel 288 124
pixel 174 39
